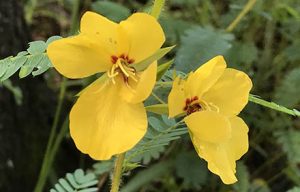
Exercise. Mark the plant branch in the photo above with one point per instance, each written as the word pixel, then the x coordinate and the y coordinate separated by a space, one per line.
pixel 244 11
pixel 116 180
pixel 45 165
pixel 273 106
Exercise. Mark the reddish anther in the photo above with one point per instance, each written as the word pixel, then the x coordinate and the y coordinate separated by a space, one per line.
pixel 114 59
pixel 187 101
pixel 195 98
pixel 130 61
pixel 191 106
pixel 122 56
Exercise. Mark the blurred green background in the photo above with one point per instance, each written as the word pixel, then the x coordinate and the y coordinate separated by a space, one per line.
pixel 265 44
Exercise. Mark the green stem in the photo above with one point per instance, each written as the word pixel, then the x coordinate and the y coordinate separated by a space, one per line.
pixel 63 131
pixel 45 165
pixel 116 180
pixel 157 7
pixel 273 106
pixel 244 11
pixel 74 17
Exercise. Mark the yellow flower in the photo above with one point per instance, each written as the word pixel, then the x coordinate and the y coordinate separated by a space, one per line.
pixel 212 97
pixel 109 117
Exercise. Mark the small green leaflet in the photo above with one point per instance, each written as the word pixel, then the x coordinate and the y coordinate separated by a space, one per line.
pixel 77 181
pixel 162 69
pixel 160 109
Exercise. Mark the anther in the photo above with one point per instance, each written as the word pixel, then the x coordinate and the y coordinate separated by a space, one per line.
pixel 122 56
pixel 114 59
pixel 187 101
pixel 130 61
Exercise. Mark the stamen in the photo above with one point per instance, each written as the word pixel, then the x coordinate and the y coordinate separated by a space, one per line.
pixel 113 80
pixel 133 78
pixel 119 64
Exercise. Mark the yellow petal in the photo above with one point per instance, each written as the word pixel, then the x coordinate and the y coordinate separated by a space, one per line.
pixel 238 144
pixel 230 93
pixel 219 162
pixel 144 35
pixel 209 126
pixel 205 76
pixel 139 91
pixel 79 56
pixel 102 124
pixel 105 31
pixel 176 98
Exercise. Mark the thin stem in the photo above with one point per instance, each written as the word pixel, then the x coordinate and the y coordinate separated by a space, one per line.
pixel 273 106
pixel 244 11
pixel 116 180
pixel 63 131
pixel 45 165
pixel 74 17
pixel 157 7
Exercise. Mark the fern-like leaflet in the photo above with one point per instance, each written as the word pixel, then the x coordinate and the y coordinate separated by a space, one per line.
pixel 77 181
pixel 33 61
pixel 155 141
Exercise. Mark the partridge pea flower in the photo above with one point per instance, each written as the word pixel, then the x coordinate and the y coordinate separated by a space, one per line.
pixel 212 97
pixel 109 116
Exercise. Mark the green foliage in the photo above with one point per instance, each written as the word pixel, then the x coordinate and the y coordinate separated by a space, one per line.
pixel 289 86
pixel 159 134
pixel 248 53
pixel 111 10
pixel 199 45
pixel 77 181
pixel 191 169
pixel 147 175
pixel 290 141
pixel 292 51
pixel 259 185
pixel 33 61
pixel 243 184
pixel 295 189
pixel 102 167
pixel 174 28
pixel 184 2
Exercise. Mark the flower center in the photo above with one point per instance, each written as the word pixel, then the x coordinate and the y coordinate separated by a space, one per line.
pixel 194 104
pixel 121 66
